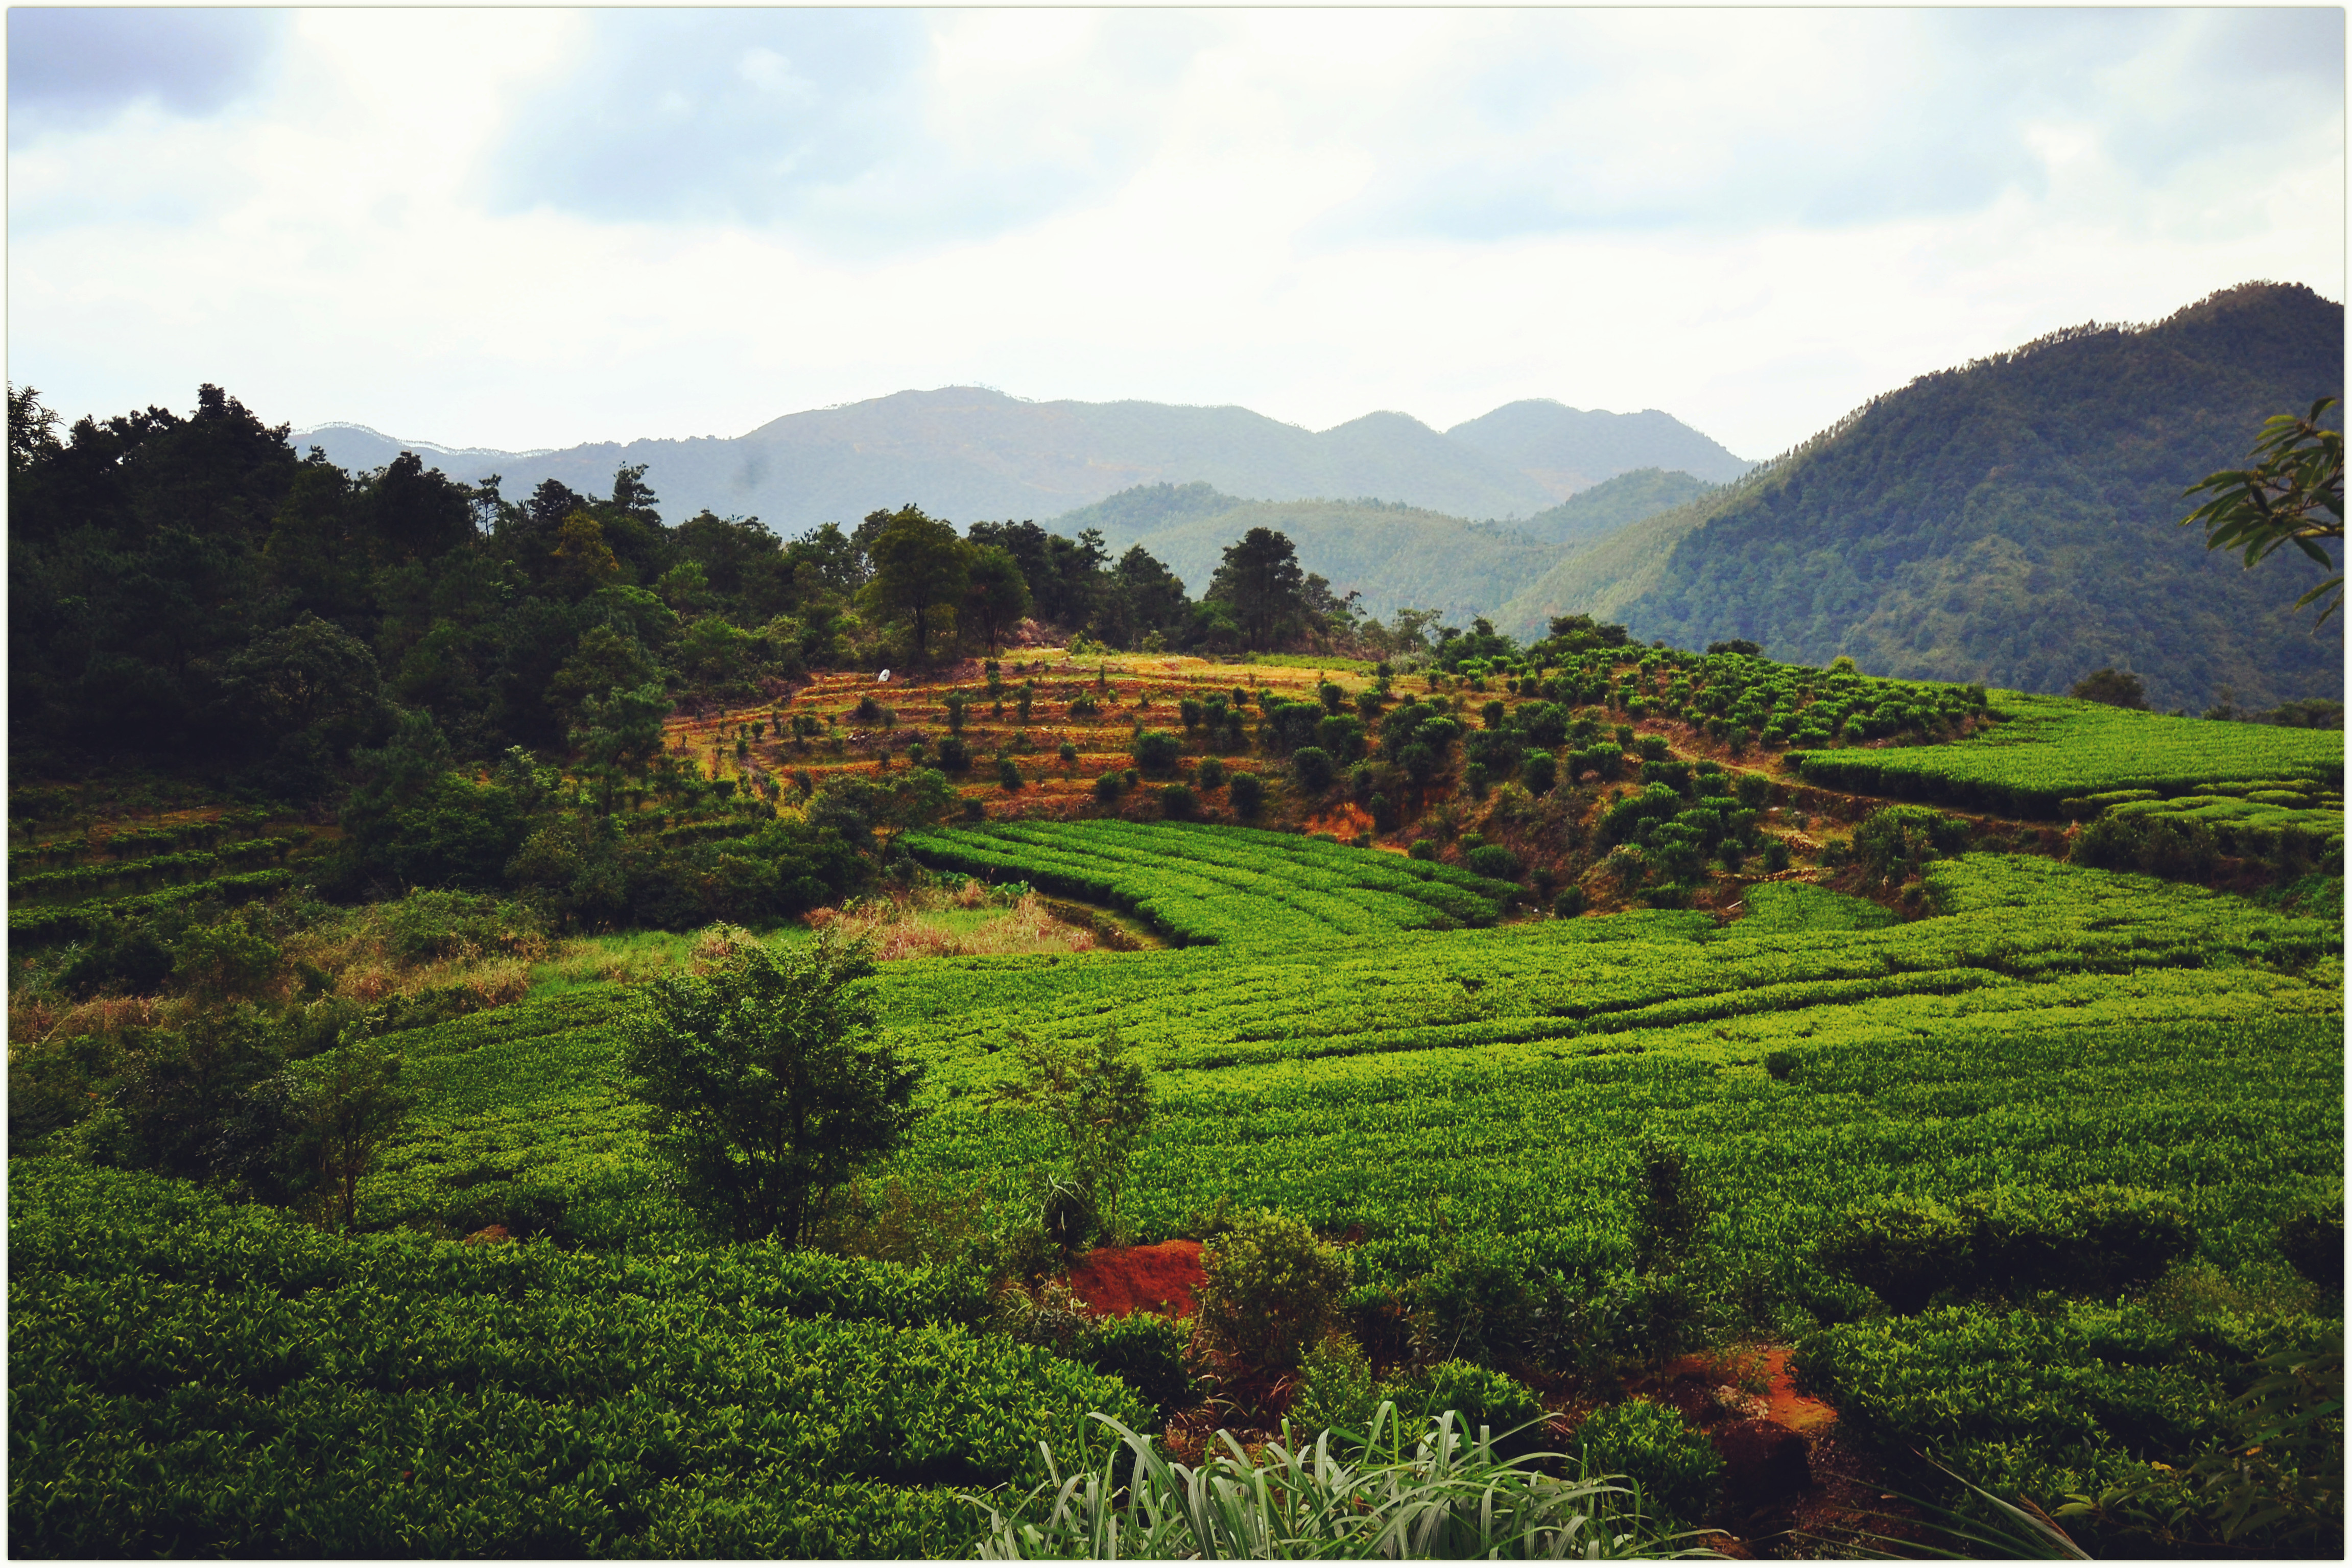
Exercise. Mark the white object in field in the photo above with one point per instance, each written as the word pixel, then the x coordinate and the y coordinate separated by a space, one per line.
pixel 883 679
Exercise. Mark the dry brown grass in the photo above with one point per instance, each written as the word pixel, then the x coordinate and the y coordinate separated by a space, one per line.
pixel 926 924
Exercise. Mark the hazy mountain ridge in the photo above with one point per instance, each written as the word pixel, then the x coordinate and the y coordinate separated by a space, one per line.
pixel 970 453
pixel 2013 520
pixel 1393 553
pixel 1577 448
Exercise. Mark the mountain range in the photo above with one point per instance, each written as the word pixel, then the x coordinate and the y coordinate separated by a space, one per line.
pixel 2013 520
pixel 969 454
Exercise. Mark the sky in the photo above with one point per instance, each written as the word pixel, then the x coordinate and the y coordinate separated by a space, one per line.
pixel 533 228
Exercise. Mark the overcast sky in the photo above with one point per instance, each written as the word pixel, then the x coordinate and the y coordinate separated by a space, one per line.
pixel 533 228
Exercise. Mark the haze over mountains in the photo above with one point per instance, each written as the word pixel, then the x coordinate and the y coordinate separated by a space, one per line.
pixel 970 454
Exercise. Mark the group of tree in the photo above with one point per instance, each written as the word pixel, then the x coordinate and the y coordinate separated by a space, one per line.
pixel 190 591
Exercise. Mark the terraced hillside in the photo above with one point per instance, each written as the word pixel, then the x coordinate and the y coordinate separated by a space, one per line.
pixel 1468 1106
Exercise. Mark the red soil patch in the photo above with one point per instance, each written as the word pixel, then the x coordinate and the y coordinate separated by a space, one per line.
pixel 1116 1281
pixel 1343 824
pixel 1790 1408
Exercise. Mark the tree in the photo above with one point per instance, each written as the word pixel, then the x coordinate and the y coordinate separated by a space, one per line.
pixel 1098 1094
pixel 2115 688
pixel 1144 597
pixel 920 569
pixel 349 1103
pixel 2292 494
pixel 621 733
pixel 1261 579
pixel 996 596
pixel 768 1084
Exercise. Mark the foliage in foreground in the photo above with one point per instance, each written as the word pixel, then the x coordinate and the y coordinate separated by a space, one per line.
pixel 1449 1497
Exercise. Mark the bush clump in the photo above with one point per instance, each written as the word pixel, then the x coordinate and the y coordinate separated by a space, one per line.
pixel 1493 860
pixel 1895 841
pixel 1674 1466
pixel 1248 792
pixel 1313 768
pixel 1157 751
pixel 1271 1291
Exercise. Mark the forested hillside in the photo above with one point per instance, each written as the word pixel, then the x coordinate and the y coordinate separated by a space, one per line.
pixel 2009 521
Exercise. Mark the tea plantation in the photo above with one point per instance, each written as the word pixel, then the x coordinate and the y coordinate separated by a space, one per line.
pixel 2145 1075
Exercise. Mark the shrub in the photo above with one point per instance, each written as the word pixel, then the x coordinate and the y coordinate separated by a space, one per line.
pixel 1146 1353
pixel 1423 850
pixel 1475 1302
pixel 1211 773
pixel 1675 1467
pixel 1479 1397
pixel 1493 860
pixel 1008 775
pixel 1539 773
pixel 1894 841
pixel 955 755
pixel 1247 793
pixel 1475 779
pixel 1157 751
pixel 1336 1387
pixel 1108 785
pixel 1570 903
pixel 1904 1249
pixel 1271 1291
pixel 1177 803
pixel 2313 1241
pixel 1311 766
pixel 1069 754
pixel 2160 845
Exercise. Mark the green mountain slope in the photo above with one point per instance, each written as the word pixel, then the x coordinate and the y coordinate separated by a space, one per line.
pixel 1392 553
pixel 2012 521
pixel 1592 514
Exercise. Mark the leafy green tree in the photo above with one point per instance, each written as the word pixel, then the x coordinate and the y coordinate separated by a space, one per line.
pixel 2293 493
pixel 607 657
pixel 1260 577
pixel 2115 688
pixel 996 596
pixel 349 1104
pixel 768 1082
pixel 307 674
pixel 621 735
pixel 921 569
pixel 1098 1096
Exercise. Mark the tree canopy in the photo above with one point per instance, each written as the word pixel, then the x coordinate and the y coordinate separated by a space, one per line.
pixel 766 1080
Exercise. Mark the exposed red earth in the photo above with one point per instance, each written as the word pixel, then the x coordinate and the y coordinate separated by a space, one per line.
pixel 1116 1281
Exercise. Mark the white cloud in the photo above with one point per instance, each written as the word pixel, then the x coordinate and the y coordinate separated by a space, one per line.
pixel 530 229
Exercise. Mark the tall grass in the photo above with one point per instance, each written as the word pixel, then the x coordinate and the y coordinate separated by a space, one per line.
pixel 1341 1496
